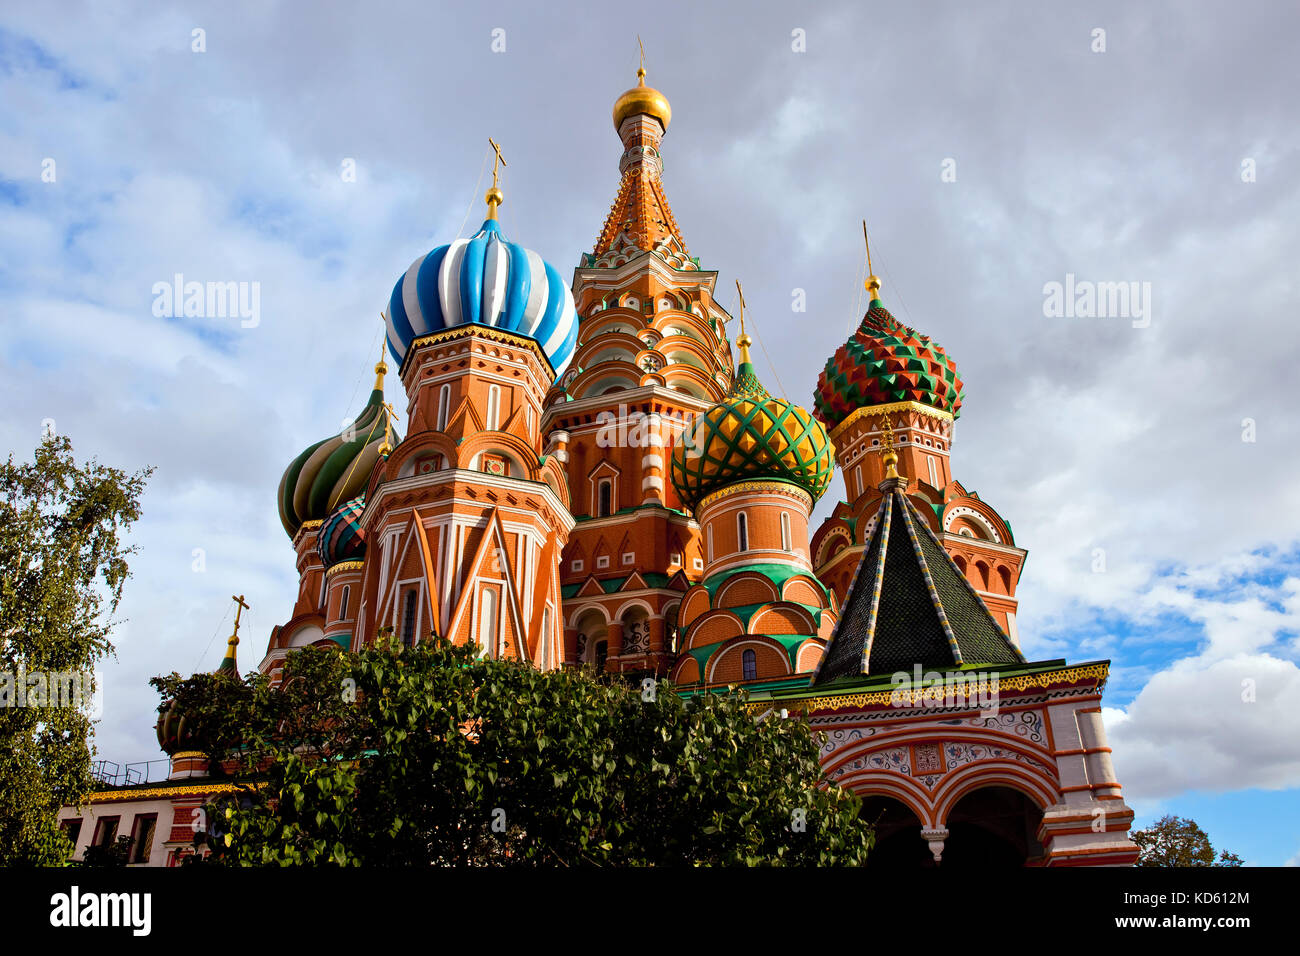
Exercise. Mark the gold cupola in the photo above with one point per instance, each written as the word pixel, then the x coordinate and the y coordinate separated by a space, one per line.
pixel 642 99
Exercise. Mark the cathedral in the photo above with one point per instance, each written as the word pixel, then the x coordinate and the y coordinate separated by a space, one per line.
pixel 593 475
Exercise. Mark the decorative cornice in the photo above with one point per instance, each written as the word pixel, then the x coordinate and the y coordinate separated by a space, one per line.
pixel 162 793
pixel 875 411
pixel 931 693
pixel 343 566
pixel 756 487
pixel 474 329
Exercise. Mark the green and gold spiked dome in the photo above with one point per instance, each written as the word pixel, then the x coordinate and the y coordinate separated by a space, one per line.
pixel 336 469
pixel 751 435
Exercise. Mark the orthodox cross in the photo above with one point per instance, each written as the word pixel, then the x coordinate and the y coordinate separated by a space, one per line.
pixel 391 417
pixel 499 159
pixel 239 609
pixel 887 452
pixel 741 292
pixel 495 196
pixel 873 282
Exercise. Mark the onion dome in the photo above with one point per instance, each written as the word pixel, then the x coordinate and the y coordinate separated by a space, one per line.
pixel 175 729
pixel 484 280
pixel 642 99
pixel 885 361
pixel 751 435
pixel 340 538
pixel 337 468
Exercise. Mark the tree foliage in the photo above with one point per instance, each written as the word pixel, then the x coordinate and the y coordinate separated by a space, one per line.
pixel 430 755
pixel 1179 841
pixel 63 564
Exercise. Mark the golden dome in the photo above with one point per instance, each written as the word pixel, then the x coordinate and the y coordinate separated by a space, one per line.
pixel 642 99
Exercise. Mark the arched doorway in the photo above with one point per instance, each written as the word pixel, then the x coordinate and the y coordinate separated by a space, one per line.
pixel 993 827
pixel 592 636
pixel 899 845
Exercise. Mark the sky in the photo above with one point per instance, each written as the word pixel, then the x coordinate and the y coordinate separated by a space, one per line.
pixel 1145 460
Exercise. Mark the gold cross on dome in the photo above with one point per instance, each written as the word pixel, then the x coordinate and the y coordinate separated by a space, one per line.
pixel 887 452
pixel 498 160
pixel 391 417
pixel 240 608
pixel 741 292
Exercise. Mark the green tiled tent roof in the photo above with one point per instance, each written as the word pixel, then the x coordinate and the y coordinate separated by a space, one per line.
pixel 909 604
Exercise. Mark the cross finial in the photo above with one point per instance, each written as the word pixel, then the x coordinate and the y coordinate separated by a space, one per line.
pixel 391 417
pixel 239 609
pixel 381 367
pixel 887 452
pixel 495 197
pixel 744 341
pixel 641 69
pixel 873 282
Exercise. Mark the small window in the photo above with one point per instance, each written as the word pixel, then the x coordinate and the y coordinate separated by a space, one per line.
pixel 629 557
pixel 545 655
pixel 408 620
pixel 578 565
pixel 710 537
pixel 675 558
pixel 106 831
pixel 487 626
pixel 742 532
pixel 72 830
pixel 444 406
pixel 934 471
pixel 142 838
pixel 602 561
pixel 785 531
pixel 494 407
pixel 699 564
pixel 749 664
pixel 857 475
pixel 605 492
pixel 343 601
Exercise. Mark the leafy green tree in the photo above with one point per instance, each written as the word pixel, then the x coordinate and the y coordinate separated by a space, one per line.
pixel 63 564
pixel 1179 841
pixel 431 755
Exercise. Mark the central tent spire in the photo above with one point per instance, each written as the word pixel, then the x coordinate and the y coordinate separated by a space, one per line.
pixel 641 219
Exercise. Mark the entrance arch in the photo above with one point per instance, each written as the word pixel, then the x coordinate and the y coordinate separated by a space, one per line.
pixel 899 844
pixel 993 826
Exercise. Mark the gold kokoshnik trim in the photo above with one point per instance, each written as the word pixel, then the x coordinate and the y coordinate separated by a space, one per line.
pixel 161 793
pixel 971 685
pixel 875 411
pixel 751 487
pixel 468 329
pixel 343 566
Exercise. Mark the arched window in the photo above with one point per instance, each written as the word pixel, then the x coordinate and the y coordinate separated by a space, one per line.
pixel 934 470
pixel 710 543
pixel 857 474
pixel 785 531
pixel 544 652
pixel 444 407
pixel 605 495
pixel 494 407
pixel 408 620
pixel 749 664
pixel 343 602
pixel 742 532
pixel 487 622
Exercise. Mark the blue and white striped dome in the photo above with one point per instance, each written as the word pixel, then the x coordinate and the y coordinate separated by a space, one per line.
pixel 490 281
